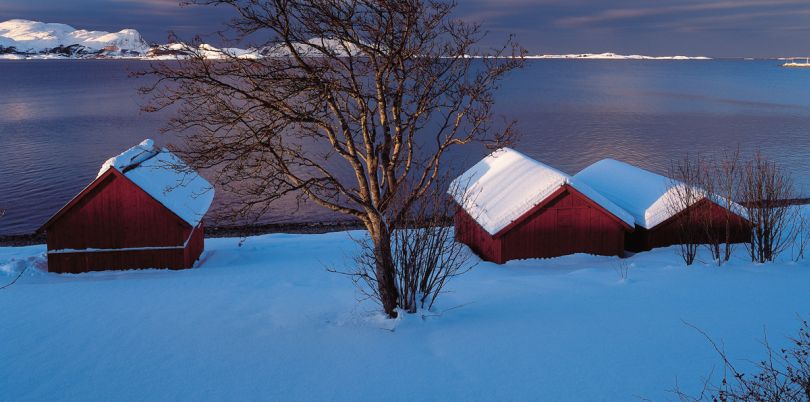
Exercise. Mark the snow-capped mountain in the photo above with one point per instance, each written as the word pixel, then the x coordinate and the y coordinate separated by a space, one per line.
pixel 313 48
pixel 183 50
pixel 26 37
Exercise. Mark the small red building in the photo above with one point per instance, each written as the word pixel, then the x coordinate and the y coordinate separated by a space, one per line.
pixel 513 207
pixel 649 198
pixel 143 210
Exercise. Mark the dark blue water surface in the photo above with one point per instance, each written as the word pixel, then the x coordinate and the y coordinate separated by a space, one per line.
pixel 59 120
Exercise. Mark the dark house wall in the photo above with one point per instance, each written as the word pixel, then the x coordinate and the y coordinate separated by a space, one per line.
pixel 469 232
pixel 566 223
pixel 704 213
pixel 114 213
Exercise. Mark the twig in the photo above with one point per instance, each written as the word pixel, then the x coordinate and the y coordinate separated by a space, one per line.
pixel 15 279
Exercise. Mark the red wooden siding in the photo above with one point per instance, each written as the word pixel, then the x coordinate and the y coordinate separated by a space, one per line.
pixel 469 232
pixel 115 260
pixel 179 258
pixel 566 223
pixel 114 213
pixel 668 232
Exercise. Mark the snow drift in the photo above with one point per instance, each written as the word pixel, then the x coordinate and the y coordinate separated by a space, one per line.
pixel 261 319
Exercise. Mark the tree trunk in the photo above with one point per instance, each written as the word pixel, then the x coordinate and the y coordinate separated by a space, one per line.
pixel 386 283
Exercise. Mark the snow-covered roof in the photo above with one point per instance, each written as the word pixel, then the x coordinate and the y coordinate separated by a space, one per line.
pixel 646 195
pixel 506 184
pixel 166 178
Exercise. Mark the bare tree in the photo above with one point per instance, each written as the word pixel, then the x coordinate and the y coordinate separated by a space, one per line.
pixel 351 101
pixel 686 180
pixel 766 193
pixel 425 253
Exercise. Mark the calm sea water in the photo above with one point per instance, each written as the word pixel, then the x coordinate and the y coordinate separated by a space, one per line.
pixel 59 120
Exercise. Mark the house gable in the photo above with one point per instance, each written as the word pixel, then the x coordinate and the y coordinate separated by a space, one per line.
pixel 562 191
pixel 567 223
pixel 112 212
pixel 167 178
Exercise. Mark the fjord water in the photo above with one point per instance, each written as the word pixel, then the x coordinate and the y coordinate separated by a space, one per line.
pixel 59 121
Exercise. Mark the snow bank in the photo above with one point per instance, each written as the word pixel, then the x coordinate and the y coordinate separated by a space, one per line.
pixel 37 37
pixel 263 320
pixel 506 184
pixel 166 178
pixel 26 261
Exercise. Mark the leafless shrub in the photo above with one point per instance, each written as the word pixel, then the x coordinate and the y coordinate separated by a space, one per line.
pixel 783 376
pixel 721 182
pixel 756 188
pixel 712 236
pixel 622 268
pixel 425 254
pixel 766 191
pixel 687 177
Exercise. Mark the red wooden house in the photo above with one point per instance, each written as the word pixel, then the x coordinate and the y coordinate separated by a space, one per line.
pixel 143 210
pixel 513 207
pixel 649 198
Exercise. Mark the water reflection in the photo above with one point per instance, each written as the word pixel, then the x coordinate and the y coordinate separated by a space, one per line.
pixel 59 120
pixel 16 111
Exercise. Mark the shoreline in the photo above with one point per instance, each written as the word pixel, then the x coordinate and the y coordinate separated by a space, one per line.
pixel 220 231
pixel 31 239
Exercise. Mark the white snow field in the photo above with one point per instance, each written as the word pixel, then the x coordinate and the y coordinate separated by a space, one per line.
pixel 266 321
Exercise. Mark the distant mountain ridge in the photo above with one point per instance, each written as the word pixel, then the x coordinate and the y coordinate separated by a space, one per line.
pixel 26 39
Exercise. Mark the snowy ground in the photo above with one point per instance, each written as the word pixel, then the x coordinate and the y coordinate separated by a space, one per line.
pixel 265 321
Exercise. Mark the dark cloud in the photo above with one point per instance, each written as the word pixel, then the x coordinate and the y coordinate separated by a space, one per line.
pixel 757 28
pixel 720 28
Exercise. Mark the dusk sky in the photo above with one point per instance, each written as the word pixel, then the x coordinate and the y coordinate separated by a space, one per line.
pixel 719 28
